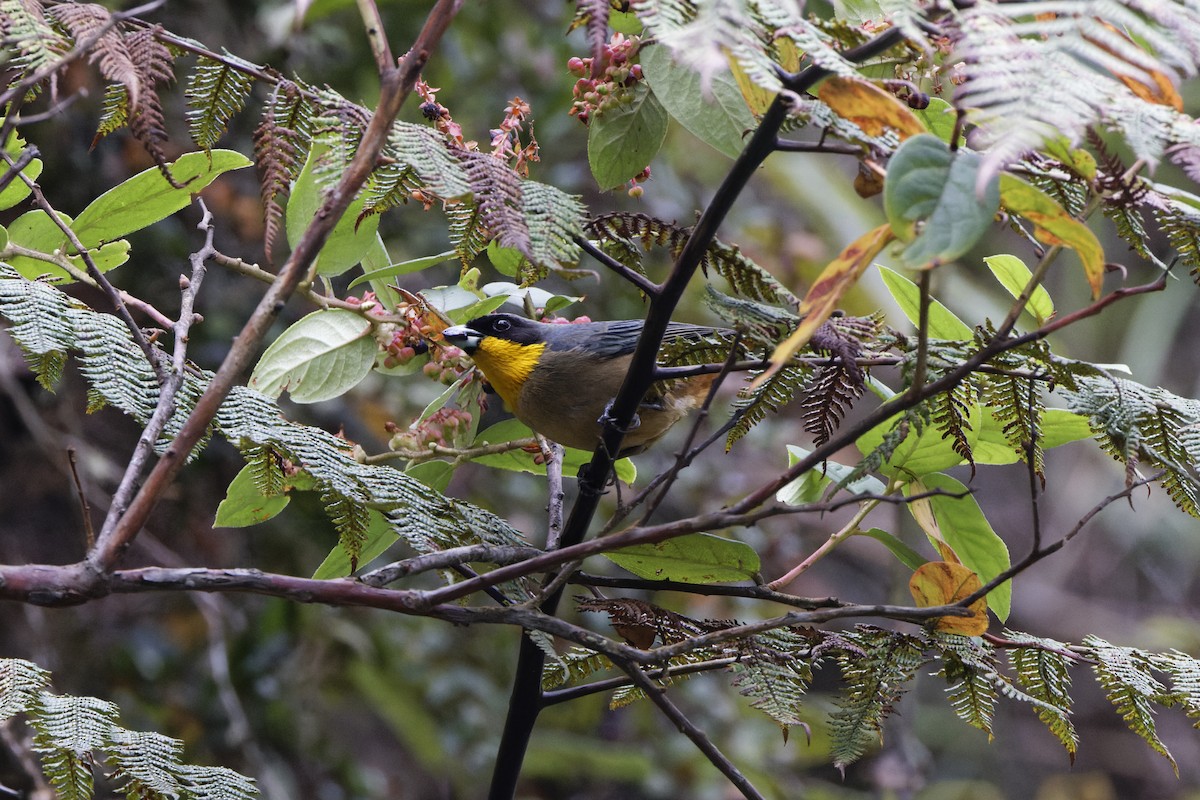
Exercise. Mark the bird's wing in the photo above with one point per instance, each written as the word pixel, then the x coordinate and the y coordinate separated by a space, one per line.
pixel 619 338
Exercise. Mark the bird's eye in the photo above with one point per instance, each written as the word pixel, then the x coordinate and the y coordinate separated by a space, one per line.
pixel 501 325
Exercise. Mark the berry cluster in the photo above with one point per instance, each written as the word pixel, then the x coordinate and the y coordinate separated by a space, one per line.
pixel 593 93
pixel 443 427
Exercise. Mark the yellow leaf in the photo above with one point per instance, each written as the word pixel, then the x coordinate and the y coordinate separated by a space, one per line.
pixel 922 511
pixel 823 296
pixel 869 107
pixel 758 98
pixel 940 583
pixel 1054 226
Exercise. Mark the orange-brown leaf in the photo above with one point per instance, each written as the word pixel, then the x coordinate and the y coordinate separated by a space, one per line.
pixel 940 583
pixel 825 294
pixel 869 107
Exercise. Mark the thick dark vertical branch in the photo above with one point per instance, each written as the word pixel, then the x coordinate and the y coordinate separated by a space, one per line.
pixel 526 695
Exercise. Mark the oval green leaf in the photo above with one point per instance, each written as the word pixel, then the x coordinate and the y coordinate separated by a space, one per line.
pixel 320 357
pixel 244 505
pixel 716 113
pixel 696 558
pixel 943 324
pixel 350 239
pixel 1014 277
pixel 17 190
pixel 623 139
pixel 931 201
pixel 146 198
pixel 403 268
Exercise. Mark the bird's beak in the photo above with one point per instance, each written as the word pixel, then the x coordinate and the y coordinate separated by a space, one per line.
pixel 462 336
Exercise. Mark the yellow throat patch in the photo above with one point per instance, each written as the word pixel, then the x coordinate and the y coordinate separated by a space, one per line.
pixel 506 365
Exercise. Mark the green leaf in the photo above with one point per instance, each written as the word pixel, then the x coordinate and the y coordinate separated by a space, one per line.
pixel 36 231
pixel 378 538
pixel 715 113
pixel 1058 427
pixel 350 239
pixel 931 201
pixel 967 531
pixel 403 268
pixel 17 190
pixel 146 198
pixel 506 260
pixel 244 505
pixel 923 453
pixel 511 430
pixel 943 324
pixel 696 558
pixel 323 355
pixel 811 486
pixel 1014 277
pixel 909 557
pixel 623 139
pixel 938 118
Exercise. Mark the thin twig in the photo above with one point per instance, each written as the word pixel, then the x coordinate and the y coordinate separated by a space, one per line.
pixel 459 454
pixel 658 695
pixel 84 508
pixel 554 488
pixel 836 148
pixel 639 280
pixel 1037 555
pixel 443 559
pixel 376 34
pixel 754 592
pixel 556 696
pixel 169 386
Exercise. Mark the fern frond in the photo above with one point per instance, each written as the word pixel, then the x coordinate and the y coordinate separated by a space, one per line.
pixel 146 764
pixel 1042 668
pixel 498 195
pixel 281 143
pixel 593 15
pixel 1009 48
pixel 1145 425
pixel 114 111
pixel 1125 675
pixel 27 33
pixel 1184 672
pixel 351 520
pixel 66 732
pixel 554 218
pixel 154 63
pixel 215 93
pixel 1017 405
pixel 826 399
pixel 216 783
pixel 21 686
pixel 467 233
pixel 875 673
pixel 774 673
pixel 969 668
pixel 574 666
pixel 39 312
pixel 770 396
